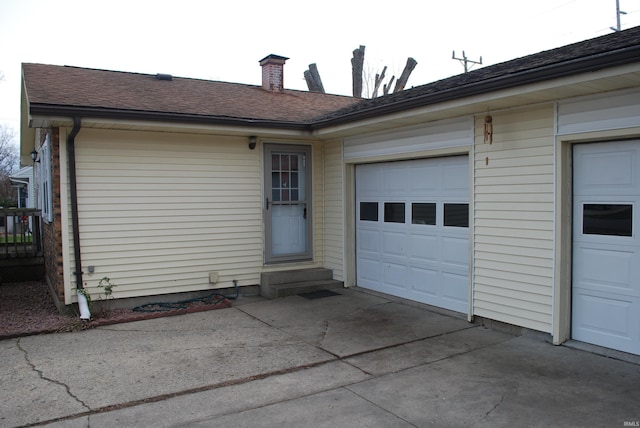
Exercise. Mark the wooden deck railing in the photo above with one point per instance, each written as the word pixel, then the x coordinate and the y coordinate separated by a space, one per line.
pixel 20 233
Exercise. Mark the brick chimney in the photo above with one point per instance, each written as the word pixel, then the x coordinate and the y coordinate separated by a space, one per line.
pixel 272 73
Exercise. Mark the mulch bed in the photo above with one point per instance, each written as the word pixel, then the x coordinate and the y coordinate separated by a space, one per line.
pixel 26 308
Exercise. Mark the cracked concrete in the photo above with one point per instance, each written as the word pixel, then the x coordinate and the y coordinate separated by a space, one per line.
pixel 500 385
pixel 53 381
pixel 494 407
pixel 370 322
pixel 351 360
pixel 28 396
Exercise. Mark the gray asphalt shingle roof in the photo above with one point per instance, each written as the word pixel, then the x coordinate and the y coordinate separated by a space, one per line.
pixel 79 91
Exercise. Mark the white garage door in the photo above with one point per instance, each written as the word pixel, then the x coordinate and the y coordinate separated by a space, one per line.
pixel 412 230
pixel 606 245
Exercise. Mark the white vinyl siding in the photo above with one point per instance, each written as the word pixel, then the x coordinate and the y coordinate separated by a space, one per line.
pixel 513 218
pixel 441 134
pixel 333 210
pixel 318 205
pixel 159 211
pixel 601 112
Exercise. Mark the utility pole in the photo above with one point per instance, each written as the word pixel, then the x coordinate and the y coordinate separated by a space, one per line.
pixel 465 61
pixel 618 13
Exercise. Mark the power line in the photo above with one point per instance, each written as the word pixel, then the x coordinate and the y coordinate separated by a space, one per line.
pixel 555 8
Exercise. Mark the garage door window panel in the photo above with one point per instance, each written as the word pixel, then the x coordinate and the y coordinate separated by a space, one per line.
pixel 368 211
pixel 456 215
pixel 607 219
pixel 423 213
pixel 394 212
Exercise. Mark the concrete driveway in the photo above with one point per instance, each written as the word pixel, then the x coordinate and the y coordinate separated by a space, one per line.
pixel 354 359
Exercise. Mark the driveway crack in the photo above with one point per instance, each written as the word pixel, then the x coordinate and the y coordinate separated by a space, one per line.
pixel 499 403
pixel 324 332
pixel 43 377
pixel 495 406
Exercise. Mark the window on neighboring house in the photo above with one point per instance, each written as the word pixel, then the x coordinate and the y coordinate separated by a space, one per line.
pixel 22 197
pixel 46 198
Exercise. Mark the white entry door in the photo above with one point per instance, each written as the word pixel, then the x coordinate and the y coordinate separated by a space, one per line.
pixel 287 203
pixel 606 245
pixel 412 230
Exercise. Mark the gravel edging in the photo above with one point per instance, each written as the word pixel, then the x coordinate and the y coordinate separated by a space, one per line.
pixel 27 309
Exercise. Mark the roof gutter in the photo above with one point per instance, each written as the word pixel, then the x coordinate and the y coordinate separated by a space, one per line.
pixel 553 71
pixel 16 180
pixel 124 114
pixel 73 193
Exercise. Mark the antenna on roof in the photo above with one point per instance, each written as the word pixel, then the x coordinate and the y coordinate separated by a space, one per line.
pixel 618 13
pixel 465 61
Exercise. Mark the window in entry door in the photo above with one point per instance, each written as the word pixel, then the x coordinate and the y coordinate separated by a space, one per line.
pixel 285 178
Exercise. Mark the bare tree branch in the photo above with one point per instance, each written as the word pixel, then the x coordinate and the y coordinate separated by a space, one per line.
pixel 357 63
pixel 378 82
pixel 385 88
pixel 309 80
pixel 311 85
pixel 362 77
pixel 316 77
pixel 312 77
pixel 402 81
pixel 9 156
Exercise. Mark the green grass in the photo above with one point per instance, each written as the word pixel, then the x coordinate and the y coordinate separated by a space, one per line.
pixel 19 239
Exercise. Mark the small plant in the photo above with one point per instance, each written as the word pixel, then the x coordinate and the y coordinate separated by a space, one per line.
pixel 107 285
pixel 107 289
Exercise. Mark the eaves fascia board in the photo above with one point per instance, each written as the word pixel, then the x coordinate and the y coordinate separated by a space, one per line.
pixel 36 109
pixel 553 71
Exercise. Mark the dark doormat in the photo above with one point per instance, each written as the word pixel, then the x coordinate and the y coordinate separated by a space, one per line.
pixel 318 294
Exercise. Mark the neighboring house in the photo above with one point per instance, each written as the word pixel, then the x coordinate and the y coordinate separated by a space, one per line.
pixel 23 182
pixel 510 193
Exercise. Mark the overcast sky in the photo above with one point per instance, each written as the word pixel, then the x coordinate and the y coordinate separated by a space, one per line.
pixel 224 40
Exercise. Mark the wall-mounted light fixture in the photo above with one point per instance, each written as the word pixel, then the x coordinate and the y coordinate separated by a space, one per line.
pixel 34 156
pixel 252 142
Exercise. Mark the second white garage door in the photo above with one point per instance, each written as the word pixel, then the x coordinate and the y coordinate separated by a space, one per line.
pixel 606 245
pixel 412 230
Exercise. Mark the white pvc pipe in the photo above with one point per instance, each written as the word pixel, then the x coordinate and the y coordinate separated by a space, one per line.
pixel 85 314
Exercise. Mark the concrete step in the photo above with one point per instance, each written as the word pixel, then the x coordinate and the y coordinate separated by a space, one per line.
pixel 296 275
pixel 292 288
